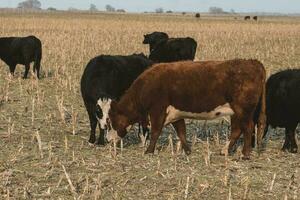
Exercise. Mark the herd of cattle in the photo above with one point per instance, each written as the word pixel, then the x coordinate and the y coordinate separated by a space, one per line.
pixel 168 86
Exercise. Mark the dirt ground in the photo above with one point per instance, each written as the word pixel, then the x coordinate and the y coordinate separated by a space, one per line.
pixel 44 128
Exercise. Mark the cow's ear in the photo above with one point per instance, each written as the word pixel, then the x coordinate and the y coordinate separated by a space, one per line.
pixel 114 105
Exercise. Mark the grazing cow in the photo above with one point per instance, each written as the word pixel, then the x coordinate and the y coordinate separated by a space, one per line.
pixel 171 92
pixel 21 50
pixel 282 104
pixel 247 18
pixel 165 49
pixel 108 77
pixel 255 18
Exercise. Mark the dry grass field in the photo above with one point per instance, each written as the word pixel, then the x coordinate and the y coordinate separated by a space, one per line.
pixel 44 127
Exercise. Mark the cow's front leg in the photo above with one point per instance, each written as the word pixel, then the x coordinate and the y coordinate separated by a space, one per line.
pixel 157 119
pixel 100 140
pixel 12 69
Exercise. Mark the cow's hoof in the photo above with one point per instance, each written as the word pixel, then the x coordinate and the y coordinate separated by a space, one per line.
pixel 285 149
pixel 293 150
pixel 92 140
pixel 187 151
pixel 91 144
pixel 100 143
pixel 148 151
pixel 245 157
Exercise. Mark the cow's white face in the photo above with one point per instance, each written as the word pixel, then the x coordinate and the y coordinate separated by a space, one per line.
pixel 105 107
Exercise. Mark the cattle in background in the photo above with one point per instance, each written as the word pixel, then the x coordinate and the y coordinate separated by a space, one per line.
pixel 106 77
pixel 165 49
pixel 255 18
pixel 247 18
pixel 171 92
pixel 282 104
pixel 21 50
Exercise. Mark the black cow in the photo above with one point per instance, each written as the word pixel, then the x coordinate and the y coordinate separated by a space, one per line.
pixel 21 50
pixel 108 77
pixel 255 18
pixel 165 49
pixel 247 18
pixel 283 105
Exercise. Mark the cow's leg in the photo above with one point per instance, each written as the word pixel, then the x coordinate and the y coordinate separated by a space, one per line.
pixel 181 132
pixel 100 140
pixel 157 118
pixel 290 141
pixel 234 135
pixel 27 66
pixel 145 128
pixel 37 66
pixel 93 124
pixel 247 129
pixel 12 68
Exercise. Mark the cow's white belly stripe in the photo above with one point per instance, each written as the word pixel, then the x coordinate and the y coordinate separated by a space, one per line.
pixel 174 114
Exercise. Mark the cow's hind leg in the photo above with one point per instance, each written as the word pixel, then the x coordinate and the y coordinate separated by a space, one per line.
pixel 234 135
pixel 181 132
pixel 157 118
pixel 27 66
pixel 290 141
pixel 247 129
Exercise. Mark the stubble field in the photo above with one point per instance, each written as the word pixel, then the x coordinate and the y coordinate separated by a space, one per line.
pixel 44 128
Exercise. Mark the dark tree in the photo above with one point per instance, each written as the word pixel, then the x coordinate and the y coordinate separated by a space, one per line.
pixel 109 8
pixel 30 4
pixel 159 10
pixel 216 10
pixel 197 15
pixel 51 9
pixel 93 8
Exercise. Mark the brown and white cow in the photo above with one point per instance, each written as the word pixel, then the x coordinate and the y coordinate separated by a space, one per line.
pixel 170 92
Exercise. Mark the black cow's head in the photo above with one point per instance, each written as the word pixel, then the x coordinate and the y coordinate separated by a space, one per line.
pixel 155 37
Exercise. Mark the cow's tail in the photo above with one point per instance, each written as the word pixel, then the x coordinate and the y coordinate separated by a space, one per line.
pixel 261 121
pixel 37 59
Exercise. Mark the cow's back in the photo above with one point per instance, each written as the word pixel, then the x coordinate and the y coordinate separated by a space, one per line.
pixel 200 85
pixel 111 75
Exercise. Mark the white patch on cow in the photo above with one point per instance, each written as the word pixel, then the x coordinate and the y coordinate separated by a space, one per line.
pixel 112 135
pixel 105 107
pixel 174 114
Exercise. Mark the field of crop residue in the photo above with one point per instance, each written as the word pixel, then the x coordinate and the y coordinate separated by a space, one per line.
pixel 44 128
